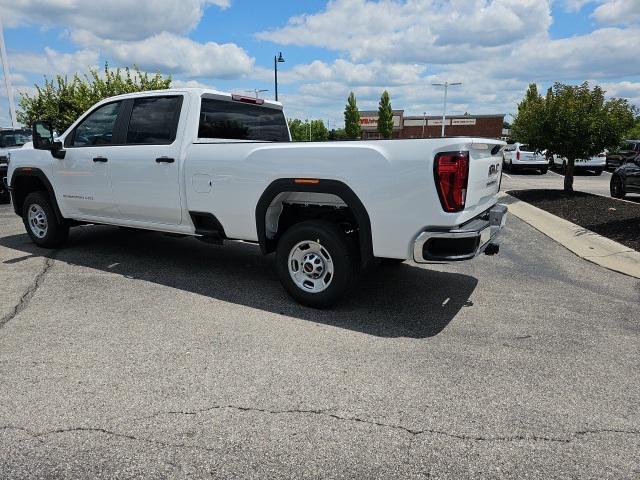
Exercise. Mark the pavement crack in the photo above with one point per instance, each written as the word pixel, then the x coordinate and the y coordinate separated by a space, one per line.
pixel 29 292
pixel 22 429
pixel 411 431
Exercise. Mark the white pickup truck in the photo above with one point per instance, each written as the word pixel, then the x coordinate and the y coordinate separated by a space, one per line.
pixel 222 167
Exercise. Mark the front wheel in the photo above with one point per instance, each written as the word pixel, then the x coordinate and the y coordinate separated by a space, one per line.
pixel 617 187
pixel 316 263
pixel 41 222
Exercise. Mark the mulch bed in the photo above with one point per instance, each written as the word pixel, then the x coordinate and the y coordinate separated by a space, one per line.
pixel 611 218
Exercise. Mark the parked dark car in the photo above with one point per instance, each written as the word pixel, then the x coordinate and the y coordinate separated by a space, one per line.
pixel 626 179
pixel 629 150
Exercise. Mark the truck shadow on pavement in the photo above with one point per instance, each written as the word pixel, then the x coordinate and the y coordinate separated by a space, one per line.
pixel 389 301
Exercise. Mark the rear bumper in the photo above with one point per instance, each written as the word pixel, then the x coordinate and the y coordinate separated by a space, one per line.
pixel 461 243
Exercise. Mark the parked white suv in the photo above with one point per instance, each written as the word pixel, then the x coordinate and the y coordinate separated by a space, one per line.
pixel 222 167
pixel 518 156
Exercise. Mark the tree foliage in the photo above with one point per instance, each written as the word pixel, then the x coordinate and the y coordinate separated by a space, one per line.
pixel 352 118
pixel 572 121
pixel 385 116
pixel 63 100
pixel 302 130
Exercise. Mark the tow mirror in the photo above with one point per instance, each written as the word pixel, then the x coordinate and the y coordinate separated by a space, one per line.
pixel 43 139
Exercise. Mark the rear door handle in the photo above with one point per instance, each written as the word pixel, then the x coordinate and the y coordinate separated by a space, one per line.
pixel 165 160
pixel 100 159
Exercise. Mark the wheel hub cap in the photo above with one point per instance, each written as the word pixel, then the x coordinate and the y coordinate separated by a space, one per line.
pixel 38 221
pixel 310 266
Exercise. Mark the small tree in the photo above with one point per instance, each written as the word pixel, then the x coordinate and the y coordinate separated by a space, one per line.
pixel 352 118
pixel 385 116
pixel 62 101
pixel 573 122
pixel 305 131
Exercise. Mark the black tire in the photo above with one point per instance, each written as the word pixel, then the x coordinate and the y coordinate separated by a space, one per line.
pixel 332 239
pixel 53 233
pixel 543 171
pixel 598 171
pixel 617 187
pixel 512 169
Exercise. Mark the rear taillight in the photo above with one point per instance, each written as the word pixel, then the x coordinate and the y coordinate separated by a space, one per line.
pixel 518 155
pixel 451 172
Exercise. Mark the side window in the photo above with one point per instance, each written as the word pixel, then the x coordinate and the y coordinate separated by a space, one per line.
pixel 241 121
pixel 154 120
pixel 97 128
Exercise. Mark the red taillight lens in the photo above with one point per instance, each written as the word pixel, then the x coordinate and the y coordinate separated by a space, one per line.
pixel 518 155
pixel 451 171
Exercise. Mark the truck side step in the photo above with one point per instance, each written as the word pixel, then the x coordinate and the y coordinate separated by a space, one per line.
pixel 208 227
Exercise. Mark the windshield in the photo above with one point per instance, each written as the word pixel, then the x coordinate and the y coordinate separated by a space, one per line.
pixel 14 138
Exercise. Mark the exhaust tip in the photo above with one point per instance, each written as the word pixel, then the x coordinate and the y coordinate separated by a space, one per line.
pixel 492 249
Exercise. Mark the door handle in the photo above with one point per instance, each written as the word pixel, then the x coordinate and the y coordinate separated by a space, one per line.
pixel 165 160
pixel 100 159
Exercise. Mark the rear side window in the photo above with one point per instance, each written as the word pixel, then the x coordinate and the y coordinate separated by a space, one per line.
pixel 525 148
pixel 154 120
pixel 241 121
pixel 97 128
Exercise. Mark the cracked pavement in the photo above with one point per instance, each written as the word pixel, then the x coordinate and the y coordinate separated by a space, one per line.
pixel 137 355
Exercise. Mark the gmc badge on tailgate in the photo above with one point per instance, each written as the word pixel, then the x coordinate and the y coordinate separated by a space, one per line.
pixel 493 169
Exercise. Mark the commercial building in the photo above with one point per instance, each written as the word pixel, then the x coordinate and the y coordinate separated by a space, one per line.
pixel 428 126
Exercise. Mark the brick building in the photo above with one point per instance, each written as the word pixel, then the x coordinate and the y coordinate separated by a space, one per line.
pixel 489 126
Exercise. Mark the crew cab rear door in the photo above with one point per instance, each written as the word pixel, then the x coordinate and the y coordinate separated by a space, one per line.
pixel 145 169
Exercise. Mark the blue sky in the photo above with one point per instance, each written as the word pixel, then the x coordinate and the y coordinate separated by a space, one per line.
pixel 495 47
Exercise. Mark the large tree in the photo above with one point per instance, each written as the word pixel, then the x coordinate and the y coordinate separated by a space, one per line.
pixel 63 100
pixel 385 116
pixel 352 118
pixel 573 122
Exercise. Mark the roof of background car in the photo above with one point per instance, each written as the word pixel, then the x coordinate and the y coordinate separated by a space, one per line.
pixel 199 91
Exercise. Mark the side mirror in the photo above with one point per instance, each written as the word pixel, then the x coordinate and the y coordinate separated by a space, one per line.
pixel 43 139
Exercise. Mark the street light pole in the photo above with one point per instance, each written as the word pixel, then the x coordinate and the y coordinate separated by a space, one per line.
pixel 446 86
pixel 7 80
pixel 277 59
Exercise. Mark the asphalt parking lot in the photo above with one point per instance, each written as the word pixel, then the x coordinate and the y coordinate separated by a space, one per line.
pixel 133 354
pixel 585 181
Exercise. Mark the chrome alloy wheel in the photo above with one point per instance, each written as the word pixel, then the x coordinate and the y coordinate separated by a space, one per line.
pixel 310 266
pixel 38 221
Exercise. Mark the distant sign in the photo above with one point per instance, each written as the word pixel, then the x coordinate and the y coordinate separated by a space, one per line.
pixel 371 123
pixel 464 121
pixel 438 123
pixel 454 121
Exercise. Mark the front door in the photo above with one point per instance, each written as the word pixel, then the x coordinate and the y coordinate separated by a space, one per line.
pixel 145 170
pixel 82 177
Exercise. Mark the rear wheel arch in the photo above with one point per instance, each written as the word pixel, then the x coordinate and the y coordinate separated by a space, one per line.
pixel 322 186
pixel 26 181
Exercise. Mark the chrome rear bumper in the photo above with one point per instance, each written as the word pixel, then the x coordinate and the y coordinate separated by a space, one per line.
pixel 462 243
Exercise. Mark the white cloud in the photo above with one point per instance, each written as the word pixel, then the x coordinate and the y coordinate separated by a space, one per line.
pixel 416 30
pixel 111 19
pixel 53 62
pixel 623 12
pixel 172 53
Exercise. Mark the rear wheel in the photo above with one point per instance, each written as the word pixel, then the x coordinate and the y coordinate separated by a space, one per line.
pixel 617 187
pixel 41 222
pixel 316 263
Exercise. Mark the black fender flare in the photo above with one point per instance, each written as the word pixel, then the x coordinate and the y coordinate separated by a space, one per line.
pixel 334 187
pixel 40 175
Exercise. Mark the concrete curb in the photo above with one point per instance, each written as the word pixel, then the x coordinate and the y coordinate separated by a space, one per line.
pixel 584 243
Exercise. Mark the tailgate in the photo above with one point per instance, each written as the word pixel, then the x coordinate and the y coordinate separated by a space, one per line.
pixel 485 174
